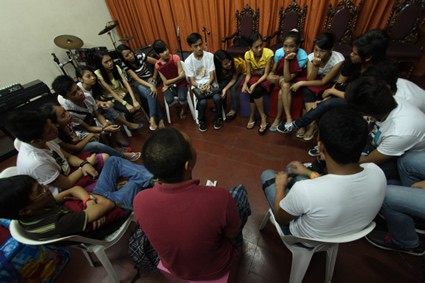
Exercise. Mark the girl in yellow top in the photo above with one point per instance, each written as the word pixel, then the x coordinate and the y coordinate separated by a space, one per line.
pixel 258 64
pixel 230 73
pixel 115 85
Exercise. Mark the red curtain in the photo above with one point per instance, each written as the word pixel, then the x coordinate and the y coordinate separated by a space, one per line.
pixel 147 20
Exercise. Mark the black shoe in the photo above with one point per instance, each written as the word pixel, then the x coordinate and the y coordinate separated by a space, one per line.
pixel 202 126
pixel 218 124
pixel 382 240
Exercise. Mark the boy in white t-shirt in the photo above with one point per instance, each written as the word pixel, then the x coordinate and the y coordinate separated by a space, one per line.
pixel 342 202
pixel 200 70
pixel 400 125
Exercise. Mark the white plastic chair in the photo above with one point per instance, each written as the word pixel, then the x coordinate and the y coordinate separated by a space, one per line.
pixel 17 144
pixel 189 103
pixel 301 256
pixel 192 106
pixel 9 172
pixel 85 244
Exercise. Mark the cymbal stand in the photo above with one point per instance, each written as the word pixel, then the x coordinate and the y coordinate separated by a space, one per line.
pixel 113 42
pixel 62 65
pixel 206 32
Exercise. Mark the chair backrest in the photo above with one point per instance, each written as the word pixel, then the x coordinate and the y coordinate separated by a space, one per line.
pixel 291 17
pixel 405 21
pixel 9 172
pixel 341 20
pixel 247 21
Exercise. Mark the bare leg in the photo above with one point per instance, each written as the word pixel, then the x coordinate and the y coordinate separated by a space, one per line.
pixel 287 101
pixel 260 107
pixel 279 110
pixel 122 121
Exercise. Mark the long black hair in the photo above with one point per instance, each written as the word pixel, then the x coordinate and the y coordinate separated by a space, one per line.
pixel 219 57
pixel 98 57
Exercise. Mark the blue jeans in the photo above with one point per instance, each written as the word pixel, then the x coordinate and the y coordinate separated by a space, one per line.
pixel 154 110
pixel 269 187
pixel 233 91
pixel 181 94
pixel 411 167
pixel 202 107
pixel 138 178
pixel 400 205
pixel 98 147
pixel 317 113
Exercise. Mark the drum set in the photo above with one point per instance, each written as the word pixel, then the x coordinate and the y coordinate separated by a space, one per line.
pixel 82 56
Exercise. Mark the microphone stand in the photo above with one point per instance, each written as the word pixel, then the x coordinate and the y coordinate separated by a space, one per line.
pixel 62 65
pixel 180 43
pixel 206 32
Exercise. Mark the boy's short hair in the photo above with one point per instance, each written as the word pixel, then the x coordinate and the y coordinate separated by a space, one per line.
pixel 159 46
pixel 374 44
pixel 386 70
pixel 26 125
pixel 62 84
pixel 343 132
pixel 165 153
pixel 14 195
pixel 193 38
pixel 370 96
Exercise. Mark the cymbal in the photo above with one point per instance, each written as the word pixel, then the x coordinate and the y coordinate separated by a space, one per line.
pixel 108 28
pixel 67 41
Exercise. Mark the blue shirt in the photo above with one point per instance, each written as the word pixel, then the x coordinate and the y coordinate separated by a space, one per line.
pixel 302 56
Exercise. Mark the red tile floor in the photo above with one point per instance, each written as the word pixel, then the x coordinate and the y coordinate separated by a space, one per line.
pixel 235 155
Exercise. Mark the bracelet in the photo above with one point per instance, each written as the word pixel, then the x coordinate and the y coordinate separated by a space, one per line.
pixel 124 102
pixel 84 163
pixel 89 197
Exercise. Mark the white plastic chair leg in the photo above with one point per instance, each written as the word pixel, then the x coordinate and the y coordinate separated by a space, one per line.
pixel 192 106
pixel 127 131
pixel 331 254
pixel 167 111
pixel 300 261
pixel 104 260
pixel 195 102
pixel 265 220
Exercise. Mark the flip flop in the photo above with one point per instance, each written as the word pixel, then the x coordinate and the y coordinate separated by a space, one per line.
pixel 250 125
pixel 230 116
pixel 135 156
pixel 300 133
pixel 139 126
pixel 310 137
pixel 263 129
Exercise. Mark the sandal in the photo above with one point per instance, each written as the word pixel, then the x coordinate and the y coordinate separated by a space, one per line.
pixel 263 129
pixel 251 125
pixel 309 134
pixel 139 126
pixel 231 115
pixel 134 156
pixel 300 133
pixel 182 114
